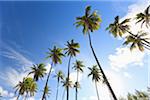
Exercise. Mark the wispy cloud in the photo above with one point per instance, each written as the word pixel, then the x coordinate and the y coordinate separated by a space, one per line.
pixel 12 75
pixel 123 57
pixel 5 93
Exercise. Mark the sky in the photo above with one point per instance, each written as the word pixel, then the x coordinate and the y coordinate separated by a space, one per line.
pixel 28 29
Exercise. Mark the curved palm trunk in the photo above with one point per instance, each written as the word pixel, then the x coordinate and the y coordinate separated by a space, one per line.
pixel 57 90
pixel 68 76
pixel 97 90
pixel 104 76
pixel 76 98
pixel 43 96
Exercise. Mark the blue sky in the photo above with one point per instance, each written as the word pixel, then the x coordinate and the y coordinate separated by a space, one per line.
pixel 28 29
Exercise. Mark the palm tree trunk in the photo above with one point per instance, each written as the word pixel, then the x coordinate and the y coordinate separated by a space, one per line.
pixel 68 76
pixel 43 96
pixel 18 97
pixel 97 90
pixel 76 86
pixel 103 74
pixel 57 90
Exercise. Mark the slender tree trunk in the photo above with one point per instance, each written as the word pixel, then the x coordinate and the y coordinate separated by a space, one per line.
pixel 26 96
pixel 103 74
pixel 57 90
pixel 18 97
pixel 43 96
pixel 63 95
pixel 68 76
pixel 97 90
pixel 76 86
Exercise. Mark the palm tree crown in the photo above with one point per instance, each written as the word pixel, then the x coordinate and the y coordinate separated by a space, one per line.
pixel 67 83
pixel 55 54
pixel 72 48
pixel 89 21
pixel 136 41
pixel 59 75
pixel 95 73
pixel 28 86
pixel 78 65
pixel 38 71
pixel 144 17
pixel 118 28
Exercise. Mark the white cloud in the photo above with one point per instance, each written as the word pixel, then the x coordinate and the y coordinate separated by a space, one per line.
pixel 11 53
pixel 73 77
pixel 5 93
pixel 134 9
pixel 126 74
pixel 12 76
pixel 30 98
pixel 48 66
pixel 124 57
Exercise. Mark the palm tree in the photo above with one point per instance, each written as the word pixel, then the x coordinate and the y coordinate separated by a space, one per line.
pixel 91 22
pixel 66 83
pixel 47 92
pixel 118 28
pixel 20 88
pixel 138 95
pixel 136 42
pixel 96 77
pixel 38 71
pixel 28 86
pixel 144 17
pixel 56 55
pixel 60 76
pixel 78 66
pixel 71 51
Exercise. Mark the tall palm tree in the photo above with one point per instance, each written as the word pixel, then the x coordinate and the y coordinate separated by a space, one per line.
pixel 118 28
pixel 56 55
pixel 60 76
pixel 96 77
pixel 38 71
pixel 91 22
pixel 136 41
pixel 47 92
pixel 71 51
pixel 144 17
pixel 78 66
pixel 66 83
pixel 27 87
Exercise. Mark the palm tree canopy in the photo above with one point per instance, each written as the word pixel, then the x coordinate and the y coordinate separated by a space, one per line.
pixel 95 73
pixel 89 21
pixel 38 71
pixel 47 91
pixel 72 48
pixel 77 85
pixel 136 41
pixel 144 17
pixel 67 83
pixel 28 85
pixel 56 55
pixel 118 28
pixel 59 75
pixel 78 65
